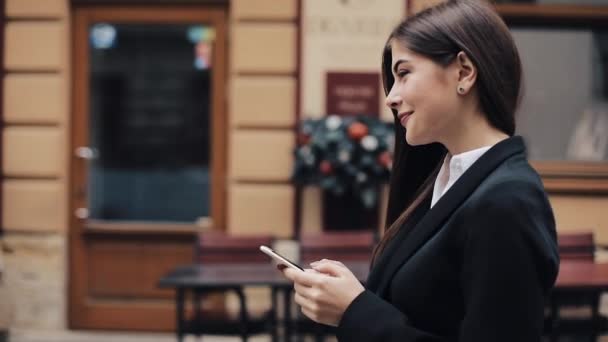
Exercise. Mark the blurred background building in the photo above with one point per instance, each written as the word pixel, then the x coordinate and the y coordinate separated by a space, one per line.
pixel 130 126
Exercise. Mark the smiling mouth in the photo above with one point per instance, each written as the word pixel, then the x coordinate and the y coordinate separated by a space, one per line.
pixel 403 117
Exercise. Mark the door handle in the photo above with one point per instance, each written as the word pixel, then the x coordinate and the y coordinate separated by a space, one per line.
pixel 81 213
pixel 86 153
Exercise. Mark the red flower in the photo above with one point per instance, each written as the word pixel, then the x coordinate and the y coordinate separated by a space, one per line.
pixel 357 130
pixel 325 167
pixel 303 139
pixel 385 159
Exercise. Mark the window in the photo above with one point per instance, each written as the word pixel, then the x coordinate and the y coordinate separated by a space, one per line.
pixel 564 112
pixel 563 115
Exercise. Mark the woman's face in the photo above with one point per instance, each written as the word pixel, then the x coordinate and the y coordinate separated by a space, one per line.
pixel 424 95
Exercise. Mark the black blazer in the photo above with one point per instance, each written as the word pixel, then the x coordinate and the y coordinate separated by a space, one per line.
pixel 474 268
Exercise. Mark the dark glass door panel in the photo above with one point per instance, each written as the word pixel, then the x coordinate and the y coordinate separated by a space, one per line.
pixel 149 122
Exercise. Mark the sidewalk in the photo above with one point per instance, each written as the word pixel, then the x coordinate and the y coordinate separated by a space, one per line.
pixel 79 336
pixel 82 336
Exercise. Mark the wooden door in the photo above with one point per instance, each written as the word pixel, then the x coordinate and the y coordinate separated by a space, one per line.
pixel 147 156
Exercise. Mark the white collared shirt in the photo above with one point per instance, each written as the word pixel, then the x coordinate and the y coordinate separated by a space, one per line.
pixel 453 167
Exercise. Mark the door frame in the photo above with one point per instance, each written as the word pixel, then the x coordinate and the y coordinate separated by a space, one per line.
pixel 84 311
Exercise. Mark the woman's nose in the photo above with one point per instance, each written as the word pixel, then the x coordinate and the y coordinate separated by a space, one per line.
pixel 393 101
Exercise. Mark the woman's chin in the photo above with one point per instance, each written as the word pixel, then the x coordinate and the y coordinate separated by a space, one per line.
pixel 411 139
pixel 416 140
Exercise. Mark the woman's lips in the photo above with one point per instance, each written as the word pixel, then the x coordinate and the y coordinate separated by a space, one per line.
pixel 403 117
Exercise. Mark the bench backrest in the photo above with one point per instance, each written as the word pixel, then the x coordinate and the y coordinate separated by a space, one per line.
pixel 213 247
pixel 576 246
pixel 341 246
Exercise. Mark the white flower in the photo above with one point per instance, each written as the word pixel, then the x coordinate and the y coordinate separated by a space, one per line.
pixel 361 177
pixel 307 156
pixel 333 122
pixel 305 151
pixel 344 156
pixel 369 143
pixel 309 160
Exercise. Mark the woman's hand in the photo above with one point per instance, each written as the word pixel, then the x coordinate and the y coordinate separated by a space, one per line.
pixel 326 291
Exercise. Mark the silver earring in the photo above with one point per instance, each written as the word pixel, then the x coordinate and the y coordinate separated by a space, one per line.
pixel 460 90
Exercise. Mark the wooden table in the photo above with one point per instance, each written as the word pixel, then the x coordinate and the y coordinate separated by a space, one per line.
pixel 221 277
pixel 578 281
pixel 582 275
pixel 225 277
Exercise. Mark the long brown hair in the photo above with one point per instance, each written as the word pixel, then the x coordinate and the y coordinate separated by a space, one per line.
pixel 440 33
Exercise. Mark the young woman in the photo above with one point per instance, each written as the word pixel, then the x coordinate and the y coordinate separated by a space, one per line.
pixel 471 251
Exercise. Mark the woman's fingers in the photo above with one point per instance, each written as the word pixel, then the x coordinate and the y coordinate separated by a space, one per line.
pixel 314 311
pixel 327 260
pixel 325 292
pixel 313 316
pixel 305 291
pixel 332 268
pixel 298 276
pixel 308 278
pixel 304 302
pixel 339 263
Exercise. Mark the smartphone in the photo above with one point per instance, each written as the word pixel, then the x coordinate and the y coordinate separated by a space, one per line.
pixel 279 258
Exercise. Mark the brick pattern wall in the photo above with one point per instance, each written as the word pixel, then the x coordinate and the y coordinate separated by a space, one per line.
pixel 261 109
pixel 34 171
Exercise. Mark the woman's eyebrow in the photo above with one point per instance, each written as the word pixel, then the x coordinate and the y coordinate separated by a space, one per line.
pixel 397 64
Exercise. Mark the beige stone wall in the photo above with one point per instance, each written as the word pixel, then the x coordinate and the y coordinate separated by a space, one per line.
pixel 261 108
pixel 34 162
pixel 35 273
pixel 418 5
pixel 582 213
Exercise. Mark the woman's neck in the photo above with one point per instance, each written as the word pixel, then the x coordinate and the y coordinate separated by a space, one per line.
pixel 471 135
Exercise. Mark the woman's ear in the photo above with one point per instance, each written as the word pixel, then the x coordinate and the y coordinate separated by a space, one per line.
pixel 467 73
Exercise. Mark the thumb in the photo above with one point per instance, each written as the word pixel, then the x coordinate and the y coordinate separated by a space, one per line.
pixel 328 267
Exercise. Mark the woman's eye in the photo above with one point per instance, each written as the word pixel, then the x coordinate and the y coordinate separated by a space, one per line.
pixel 402 73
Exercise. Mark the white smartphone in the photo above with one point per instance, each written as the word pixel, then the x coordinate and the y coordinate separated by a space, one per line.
pixel 280 259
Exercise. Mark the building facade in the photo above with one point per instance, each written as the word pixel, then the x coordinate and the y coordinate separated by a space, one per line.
pixel 64 270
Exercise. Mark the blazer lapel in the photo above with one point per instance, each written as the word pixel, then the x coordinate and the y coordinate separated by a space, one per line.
pixel 379 267
pixel 433 219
